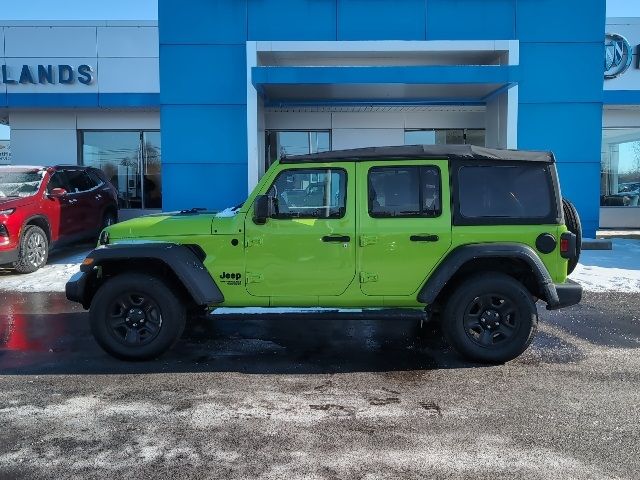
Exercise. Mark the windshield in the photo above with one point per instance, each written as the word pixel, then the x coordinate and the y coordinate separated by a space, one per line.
pixel 19 184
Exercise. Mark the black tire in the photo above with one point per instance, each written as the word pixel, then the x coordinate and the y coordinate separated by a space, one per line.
pixel 572 221
pixel 130 303
pixel 491 317
pixel 33 252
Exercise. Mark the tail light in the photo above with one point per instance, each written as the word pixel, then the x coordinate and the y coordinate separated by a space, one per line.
pixel 568 245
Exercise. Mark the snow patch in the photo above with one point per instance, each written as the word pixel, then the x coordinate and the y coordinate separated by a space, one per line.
pixel 50 278
pixel 616 270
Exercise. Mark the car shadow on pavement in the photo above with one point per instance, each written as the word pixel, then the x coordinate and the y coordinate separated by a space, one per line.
pixel 44 335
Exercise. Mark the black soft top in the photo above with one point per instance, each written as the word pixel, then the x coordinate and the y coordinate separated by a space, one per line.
pixel 417 152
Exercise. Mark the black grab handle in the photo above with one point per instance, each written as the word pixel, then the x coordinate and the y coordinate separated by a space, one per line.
pixel 336 238
pixel 424 238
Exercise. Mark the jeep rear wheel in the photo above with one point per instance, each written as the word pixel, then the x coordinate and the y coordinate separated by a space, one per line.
pixel 490 318
pixel 136 317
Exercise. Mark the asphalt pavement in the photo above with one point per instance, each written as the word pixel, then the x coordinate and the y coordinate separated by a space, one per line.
pixel 329 395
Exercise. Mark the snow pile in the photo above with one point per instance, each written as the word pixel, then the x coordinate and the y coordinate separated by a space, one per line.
pixel 616 270
pixel 51 278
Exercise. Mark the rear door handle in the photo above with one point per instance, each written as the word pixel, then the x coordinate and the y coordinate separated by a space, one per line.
pixel 336 238
pixel 424 238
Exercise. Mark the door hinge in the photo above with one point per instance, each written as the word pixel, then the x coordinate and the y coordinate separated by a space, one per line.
pixel 366 277
pixel 253 277
pixel 368 240
pixel 253 242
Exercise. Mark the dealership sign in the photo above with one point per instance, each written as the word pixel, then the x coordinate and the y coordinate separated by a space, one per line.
pixel 617 55
pixel 46 74
pixel 5 152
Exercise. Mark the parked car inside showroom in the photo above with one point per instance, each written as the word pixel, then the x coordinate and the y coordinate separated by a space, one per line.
pixel 46 207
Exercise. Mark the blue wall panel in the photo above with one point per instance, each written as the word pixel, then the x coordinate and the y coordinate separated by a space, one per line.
pixel 204 134
pixel 202 21
pixel 471 19
pixel 579 79
pixel 381 20
pixel 571 130
pixel 212 186
pixel 203 74
pixel 560 21
pixel 297 20
pixel 580 183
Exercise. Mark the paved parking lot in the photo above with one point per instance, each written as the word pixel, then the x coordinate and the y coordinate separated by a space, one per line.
pixel 319 396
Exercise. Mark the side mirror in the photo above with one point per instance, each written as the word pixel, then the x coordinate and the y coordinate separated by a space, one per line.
pixel 57 193
pixel 263 208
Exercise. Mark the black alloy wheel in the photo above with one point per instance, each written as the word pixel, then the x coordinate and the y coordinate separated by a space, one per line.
pixel 490 319
pixel 134 319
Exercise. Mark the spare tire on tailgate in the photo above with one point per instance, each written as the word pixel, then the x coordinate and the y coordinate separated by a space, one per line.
pixel 572 221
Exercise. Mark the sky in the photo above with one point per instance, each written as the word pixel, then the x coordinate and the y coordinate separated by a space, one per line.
pixel 79 10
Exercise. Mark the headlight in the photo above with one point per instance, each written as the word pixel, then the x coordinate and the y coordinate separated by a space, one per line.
pixel 104 238
pixel 8 211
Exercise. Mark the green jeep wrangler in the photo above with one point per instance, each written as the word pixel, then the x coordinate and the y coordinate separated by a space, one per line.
pixel 473 236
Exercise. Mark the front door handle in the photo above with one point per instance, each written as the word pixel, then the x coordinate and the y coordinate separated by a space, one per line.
pixel 424 238
pixel 336 238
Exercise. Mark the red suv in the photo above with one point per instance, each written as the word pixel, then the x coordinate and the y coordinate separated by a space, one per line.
pixel 43 207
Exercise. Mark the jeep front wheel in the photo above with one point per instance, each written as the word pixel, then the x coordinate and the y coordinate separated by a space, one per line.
pixel 136 317
pixel 490 318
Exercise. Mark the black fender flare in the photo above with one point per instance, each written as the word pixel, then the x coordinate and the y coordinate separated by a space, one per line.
pixel 461 255
pixel 180 259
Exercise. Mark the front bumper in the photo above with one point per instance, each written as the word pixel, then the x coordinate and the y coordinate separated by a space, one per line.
pixel 8 257
pixel 75 287
pixel 569 293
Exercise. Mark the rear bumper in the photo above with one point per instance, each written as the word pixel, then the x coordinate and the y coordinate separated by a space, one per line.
pixel 569 293
pixel 8 256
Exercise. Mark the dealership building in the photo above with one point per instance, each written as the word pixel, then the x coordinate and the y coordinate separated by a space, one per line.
pixel 190 112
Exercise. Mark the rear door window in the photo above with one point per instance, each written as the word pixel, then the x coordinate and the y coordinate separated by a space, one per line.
pixel 404 192
pixel 79 181
pixel 505 192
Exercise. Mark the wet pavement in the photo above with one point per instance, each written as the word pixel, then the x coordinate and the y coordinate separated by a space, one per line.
pixel 329 395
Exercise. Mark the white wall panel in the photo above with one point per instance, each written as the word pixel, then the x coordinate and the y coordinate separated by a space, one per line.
pixel 118 120
pixel 445 119
pixel 621 117
pixel 617 217
pixel 298 121
pixel 50 42
pixel 366 137
pixel 129 75
pixel 128 42
pixel 44 147
pixel 42 120
pixel 368 120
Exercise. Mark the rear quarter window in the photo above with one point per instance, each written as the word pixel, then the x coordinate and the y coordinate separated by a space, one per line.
pixel 505 194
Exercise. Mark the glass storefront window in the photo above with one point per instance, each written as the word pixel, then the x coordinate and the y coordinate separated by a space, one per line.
pixel 131 161
pixel 620 173
pixel 280 143
pixel 452 136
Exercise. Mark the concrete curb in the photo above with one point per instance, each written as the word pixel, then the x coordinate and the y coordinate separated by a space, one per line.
pixel 597 244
